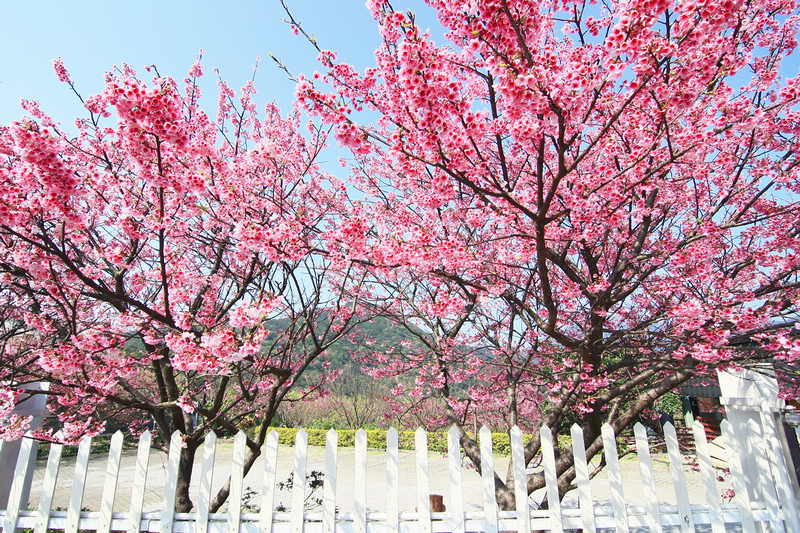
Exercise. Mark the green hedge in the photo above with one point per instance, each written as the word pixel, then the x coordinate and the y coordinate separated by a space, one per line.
pixel 376 439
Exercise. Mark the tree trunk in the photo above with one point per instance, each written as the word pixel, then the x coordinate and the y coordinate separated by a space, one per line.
pixel 183 504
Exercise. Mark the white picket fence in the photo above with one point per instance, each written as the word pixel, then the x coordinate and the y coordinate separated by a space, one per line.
pixel 773 510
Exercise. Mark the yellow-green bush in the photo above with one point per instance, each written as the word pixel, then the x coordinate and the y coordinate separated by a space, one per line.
pixel 376 439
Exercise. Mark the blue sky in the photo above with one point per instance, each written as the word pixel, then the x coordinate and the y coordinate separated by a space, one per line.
pixel 93 36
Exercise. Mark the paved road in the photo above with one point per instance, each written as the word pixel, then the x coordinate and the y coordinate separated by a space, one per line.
pixel 376 479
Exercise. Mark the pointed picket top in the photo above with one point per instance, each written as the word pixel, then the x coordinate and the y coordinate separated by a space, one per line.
pixel 709 478
pixel 171 485
pixel 360 488
pixel 299 487
pixel 582 479
pixel 206 477
pixel 268 484
pixel 48 484
pixel 456 506
pixel 741 497
pixel 332 435
pixel 237 485
pixel 678 479
pixel 551 480
pixel 615 479
pixel 110 486
pixel 648 478
pixel 423 481
pixel 487 481
pixel 392 481
pixel 329 483
pixel 520 480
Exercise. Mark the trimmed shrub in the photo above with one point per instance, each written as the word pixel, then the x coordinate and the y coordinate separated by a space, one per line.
pixel 376 439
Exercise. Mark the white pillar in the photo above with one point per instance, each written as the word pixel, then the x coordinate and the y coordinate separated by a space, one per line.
pixel 749 395
pixel 35 406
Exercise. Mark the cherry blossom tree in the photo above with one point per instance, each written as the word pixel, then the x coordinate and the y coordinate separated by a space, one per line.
pixel 146 262
pixel 581 204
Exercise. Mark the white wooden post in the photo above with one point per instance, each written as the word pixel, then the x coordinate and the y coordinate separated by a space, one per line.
pixel 48 486
pixel 360 489
pixel 582 478
pixel 206 478
pixel 765 479
pixel 709 478
pixel 615 479
pixel 299 487
pixel 520 480
pixel 30 405
pixel 551 480
pixel 741 392
pixel 171 486
pixel 456 507
pixel 648 478
pixel 487 482
pixel 423 485
pixel 78 484
pixel 110 486
pixel 18 485
pixel 741 495
pixel 139 481
pixel 329 484
pixel 679 479
pixel 237 483
pixel 392 481
pixel 268 487
pixel 780 469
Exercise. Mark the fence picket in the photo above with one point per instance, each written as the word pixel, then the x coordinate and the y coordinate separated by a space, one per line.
pixel 360 489
pixel 520 480
pixel 678 478
pixel 299 486
pixel 709 478
pixel 423 485
pixel 110 486
pixel 456 507
pixel 139 481
pixel 490 520
pixel 487 481
pixel 615 479
pixel 779 468
pixel 268 486
pixel 78 483
pixel 206 477
pixel 648 478
pixel 582 478
pixel 237 484
pixel 739 486
pixel 171 485
pixel 18 484
pixel 329 483
pixel 392 481
pixel 551 480
pixel 757 447
pixel 48 486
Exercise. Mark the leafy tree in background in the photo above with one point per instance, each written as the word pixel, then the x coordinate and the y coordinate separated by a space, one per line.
pixel 579 203
pixel 144 258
